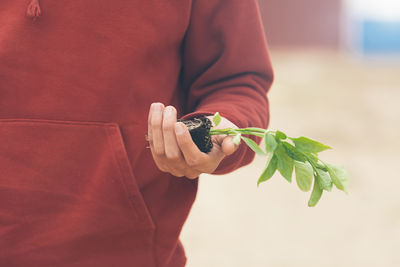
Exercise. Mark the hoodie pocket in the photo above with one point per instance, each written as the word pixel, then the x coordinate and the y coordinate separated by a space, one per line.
pixel 68 192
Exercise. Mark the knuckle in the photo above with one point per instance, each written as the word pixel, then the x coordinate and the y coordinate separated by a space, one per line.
pixel 155 121
pixel 192 175
pixel 155 124
pixel 177 173
pixel 192 162
pixel 173 156
pixel 159 151
pixel 161 167
pixel 168 126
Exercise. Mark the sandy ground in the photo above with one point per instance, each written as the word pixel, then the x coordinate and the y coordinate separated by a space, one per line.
pixel 349 103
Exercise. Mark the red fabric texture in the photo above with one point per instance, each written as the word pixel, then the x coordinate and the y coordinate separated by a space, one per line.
pixel 78 187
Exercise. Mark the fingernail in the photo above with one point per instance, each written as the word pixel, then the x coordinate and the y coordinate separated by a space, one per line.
pixel 179 128
pixel 167 111
pixel 157 108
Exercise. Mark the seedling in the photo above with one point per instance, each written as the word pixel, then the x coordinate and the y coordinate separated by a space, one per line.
pixel 283 153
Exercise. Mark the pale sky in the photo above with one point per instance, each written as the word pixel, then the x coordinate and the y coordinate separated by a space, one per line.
pixel 388 10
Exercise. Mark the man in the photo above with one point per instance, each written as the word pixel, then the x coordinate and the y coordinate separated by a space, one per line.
pixel 78 186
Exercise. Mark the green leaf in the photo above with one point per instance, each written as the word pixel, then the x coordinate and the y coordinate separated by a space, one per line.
pixel 304 175
pixel 293 152
pixel 312 156
pixel 324 180
pixel 315 194
pixel 270 143
pixel 305 144
pixel 253 145
pixel 339 175
pixel 269 170
pixel 216 119
pixel 321 167
pixel 236 139
pixel 280 135
pixel 285 163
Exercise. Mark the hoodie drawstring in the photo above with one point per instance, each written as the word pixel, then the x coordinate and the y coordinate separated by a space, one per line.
pixel 33 10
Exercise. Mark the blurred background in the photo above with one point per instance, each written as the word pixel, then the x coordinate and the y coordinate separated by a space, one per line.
pixel 337 80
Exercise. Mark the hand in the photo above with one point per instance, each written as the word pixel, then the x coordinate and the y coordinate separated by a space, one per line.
pixel 175 152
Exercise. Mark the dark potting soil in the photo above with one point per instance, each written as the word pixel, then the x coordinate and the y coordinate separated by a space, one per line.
pixel 199 129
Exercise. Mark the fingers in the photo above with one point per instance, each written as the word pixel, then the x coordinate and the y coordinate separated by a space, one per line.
pixel 163 144
pixel 192 174
pixel 228 147
pixel 159 163
pixel 194 158
pixel 149 133
pixel 172 151
pixel 156 118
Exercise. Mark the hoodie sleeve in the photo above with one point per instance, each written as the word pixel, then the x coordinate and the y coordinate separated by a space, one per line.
pixel 226 68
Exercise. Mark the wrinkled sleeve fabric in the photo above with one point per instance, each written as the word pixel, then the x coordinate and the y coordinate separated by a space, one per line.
pixel 227 68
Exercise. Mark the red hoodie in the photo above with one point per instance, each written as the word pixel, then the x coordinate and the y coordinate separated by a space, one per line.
pixel 78 187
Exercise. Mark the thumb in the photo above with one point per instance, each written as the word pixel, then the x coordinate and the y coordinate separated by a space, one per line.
pixel 228 147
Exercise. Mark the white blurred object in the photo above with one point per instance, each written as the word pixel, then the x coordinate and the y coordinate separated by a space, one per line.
pixel 381 10
pixel 371 28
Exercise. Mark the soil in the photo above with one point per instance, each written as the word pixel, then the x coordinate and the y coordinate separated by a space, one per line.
pixel 199 129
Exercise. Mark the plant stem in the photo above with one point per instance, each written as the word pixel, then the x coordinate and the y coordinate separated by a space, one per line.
pixel 250 131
